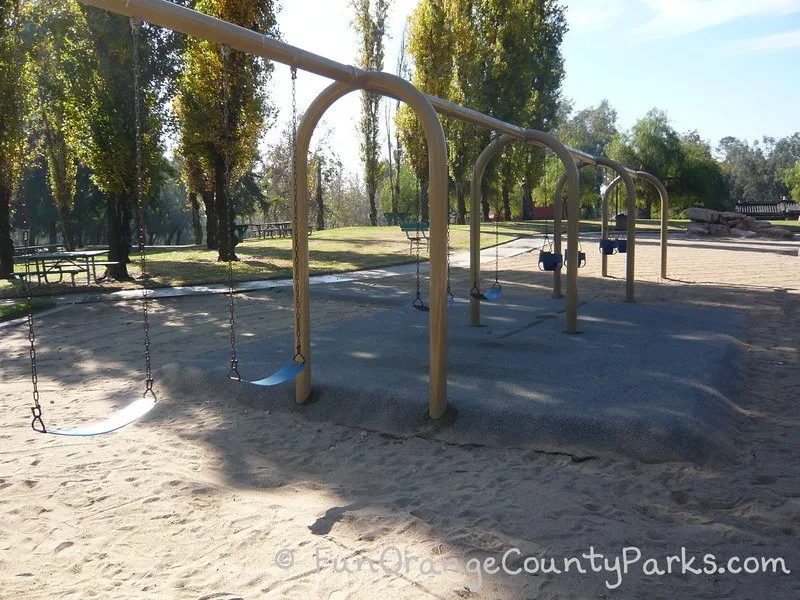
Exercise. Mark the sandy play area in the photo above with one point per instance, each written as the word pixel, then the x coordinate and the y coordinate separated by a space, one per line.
pixel 218 498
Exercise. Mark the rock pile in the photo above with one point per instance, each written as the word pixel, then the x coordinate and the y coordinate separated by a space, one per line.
pixel 711 222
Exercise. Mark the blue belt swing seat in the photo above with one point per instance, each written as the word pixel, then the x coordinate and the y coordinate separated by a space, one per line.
pixel 296 366
pixel 494 292
pixel 141 406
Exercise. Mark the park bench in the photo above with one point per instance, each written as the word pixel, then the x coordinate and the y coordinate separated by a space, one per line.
pixel 416 232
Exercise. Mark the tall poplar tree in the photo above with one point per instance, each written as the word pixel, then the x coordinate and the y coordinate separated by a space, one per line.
pixel 370 24
pixel 222 109
pixel 12 114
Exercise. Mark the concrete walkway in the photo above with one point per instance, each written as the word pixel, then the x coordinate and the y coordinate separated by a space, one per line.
pixel 459 259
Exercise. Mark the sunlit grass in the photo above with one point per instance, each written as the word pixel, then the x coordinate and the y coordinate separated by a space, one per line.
pixel 331 251
pixel 14 310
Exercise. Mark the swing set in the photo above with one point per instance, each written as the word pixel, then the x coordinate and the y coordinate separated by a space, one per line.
pixel 346 80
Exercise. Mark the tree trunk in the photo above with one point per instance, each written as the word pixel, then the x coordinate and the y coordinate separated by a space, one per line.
pixel 68 232
pixel 118 237
pixel 506 202
pixel 212 228
pixel 197 226
pixel 52 233
pixel 6 243
pixel 527 200
pixel 225 214
pixel 485 199
pixel 461 207
pixel 320 203
pixel 178 237
pixel 373 210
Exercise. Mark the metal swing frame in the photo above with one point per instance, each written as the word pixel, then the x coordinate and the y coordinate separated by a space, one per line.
pixel 141 406
pixel 427 108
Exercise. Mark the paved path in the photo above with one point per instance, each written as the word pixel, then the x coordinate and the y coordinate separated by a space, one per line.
pixel 459 259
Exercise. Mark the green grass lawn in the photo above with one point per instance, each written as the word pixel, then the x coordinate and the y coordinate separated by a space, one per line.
pixel 331 251
pixel 14 310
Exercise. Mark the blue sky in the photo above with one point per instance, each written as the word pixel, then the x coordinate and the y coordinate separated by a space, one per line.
pixel 722 67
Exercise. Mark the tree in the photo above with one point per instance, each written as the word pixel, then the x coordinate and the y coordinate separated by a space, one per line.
pixel 58 49
pixel 108 145
pixel 699 179
pixel 756 173
pixel 12 115
pixel 430 50
pixel 370 24
pixel 791 178
pixel 651 145
pixel 591 130
pixel 222 109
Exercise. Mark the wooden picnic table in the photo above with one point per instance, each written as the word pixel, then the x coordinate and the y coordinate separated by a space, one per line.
pixel 280 228
pixel 51 264
pixel 42 248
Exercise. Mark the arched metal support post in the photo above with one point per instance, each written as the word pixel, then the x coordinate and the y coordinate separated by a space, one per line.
pixel 630 187
pixel 662 191
pixel 398 88
pixel 536 138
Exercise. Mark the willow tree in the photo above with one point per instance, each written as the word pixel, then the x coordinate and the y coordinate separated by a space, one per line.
pixel 370 24
pixel 222 109
pixel 432 68
pixel 12 114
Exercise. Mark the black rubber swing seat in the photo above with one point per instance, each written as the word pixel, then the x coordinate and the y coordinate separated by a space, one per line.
pixel 125 416
pixel 608 247
pixel 581 260
pixel 550 261
pixel 283 375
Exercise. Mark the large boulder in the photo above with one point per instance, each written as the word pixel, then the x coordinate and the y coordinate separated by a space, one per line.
pixel 697 228
pixel 743 233
pixel 755 224
pixel 719 230
pixel 776 232
pixel 703 215
pixel 731 216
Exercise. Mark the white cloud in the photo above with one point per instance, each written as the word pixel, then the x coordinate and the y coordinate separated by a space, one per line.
pixel 674 18
pixel 765 44
pixel 593 15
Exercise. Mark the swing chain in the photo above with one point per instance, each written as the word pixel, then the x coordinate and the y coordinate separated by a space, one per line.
pixel 418 301
pixel 36 410
pixel 136 25
pixel 234 371
pixel 298 356
pixel 450 296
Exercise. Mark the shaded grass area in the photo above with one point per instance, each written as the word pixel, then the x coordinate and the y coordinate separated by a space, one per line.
pixel 15 310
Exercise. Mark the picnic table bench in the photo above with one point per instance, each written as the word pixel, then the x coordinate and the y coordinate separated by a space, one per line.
pixel 416 232
pixel 38 249
pixel 264 230
pixel 49 265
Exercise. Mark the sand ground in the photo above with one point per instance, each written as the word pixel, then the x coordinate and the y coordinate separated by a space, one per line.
pixel 199 504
